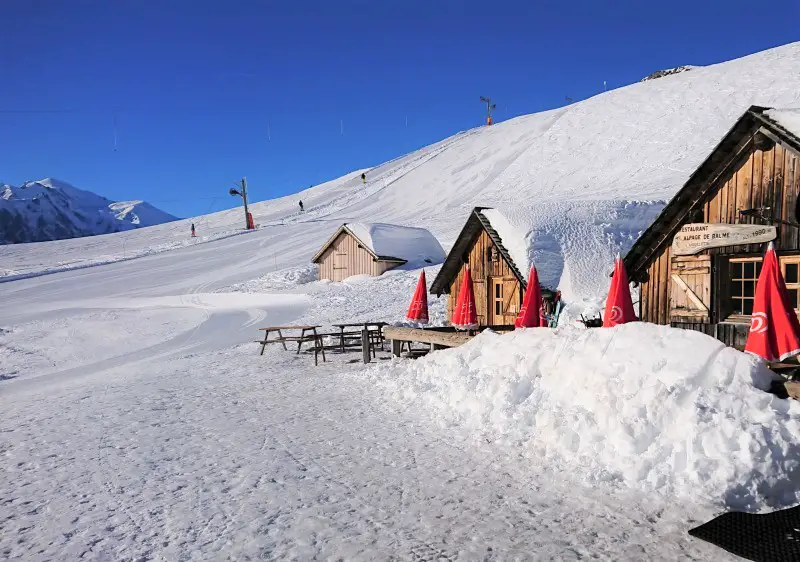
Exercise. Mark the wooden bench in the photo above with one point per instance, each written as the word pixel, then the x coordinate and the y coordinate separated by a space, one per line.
pixel 307 334
pixel 436 338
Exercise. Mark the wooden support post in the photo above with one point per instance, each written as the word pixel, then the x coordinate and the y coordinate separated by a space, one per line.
pixel 397 347
pixel 365 345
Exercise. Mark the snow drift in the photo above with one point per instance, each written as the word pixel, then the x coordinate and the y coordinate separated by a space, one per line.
pixel 638 405
pixel 50 209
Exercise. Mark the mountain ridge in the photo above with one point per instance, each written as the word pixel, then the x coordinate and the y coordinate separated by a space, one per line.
pixel 53 209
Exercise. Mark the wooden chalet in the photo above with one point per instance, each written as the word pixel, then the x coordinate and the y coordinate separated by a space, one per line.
pixel 374 248
pixel 498 283
pixel 751 178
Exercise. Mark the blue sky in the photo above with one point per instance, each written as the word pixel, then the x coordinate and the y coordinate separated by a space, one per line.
pixel 290 94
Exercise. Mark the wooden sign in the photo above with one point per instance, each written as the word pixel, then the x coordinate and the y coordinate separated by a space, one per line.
pixel 696 237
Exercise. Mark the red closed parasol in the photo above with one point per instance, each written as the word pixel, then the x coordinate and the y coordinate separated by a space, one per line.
pixel 418 309
pixel 619 306
pixel 464 314
pixel 774 329
pixel 530 315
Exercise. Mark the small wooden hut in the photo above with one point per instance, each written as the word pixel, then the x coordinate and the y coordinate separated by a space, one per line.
pixel 498 283
pixel 374 248
pixel 698 263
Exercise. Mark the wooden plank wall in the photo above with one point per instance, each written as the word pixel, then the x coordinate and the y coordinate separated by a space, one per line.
pixel 768 178
pixel 482 269
pixel 732 335
pixel 344 258
pixel 654 293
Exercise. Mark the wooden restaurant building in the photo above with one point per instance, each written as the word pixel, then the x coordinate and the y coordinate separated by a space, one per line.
pixel 698 263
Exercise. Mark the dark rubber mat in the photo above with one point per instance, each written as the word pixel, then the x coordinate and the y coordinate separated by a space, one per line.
pixel 773 537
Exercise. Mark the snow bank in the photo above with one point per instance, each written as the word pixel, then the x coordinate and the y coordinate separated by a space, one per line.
pixel 415 245
pixel 639 405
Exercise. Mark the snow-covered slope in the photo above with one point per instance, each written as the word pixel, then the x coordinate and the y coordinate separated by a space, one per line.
pixel 50 209
pixel 580 182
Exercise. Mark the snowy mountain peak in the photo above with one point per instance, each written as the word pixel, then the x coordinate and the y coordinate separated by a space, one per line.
pixel 52 209
pixel 52 183
pixel 667 72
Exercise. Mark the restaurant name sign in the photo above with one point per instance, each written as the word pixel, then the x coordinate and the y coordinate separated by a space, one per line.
pixel 696 237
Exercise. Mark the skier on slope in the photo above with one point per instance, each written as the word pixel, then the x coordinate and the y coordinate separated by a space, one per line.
pixel 363 178
pixel 193 233
pixel 301 205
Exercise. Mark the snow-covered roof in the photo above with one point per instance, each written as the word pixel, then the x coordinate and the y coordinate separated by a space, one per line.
pixel 415 246
pixel 789 119
pixel 514 238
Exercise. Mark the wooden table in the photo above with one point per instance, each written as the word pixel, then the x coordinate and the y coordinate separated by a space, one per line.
pixel 307 334
pixel 363 325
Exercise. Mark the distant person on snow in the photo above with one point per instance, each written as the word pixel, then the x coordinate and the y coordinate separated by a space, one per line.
pixel 301 206
pixel 363 178
pixel 193 233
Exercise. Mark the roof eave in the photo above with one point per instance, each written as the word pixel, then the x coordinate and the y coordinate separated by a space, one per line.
pixel 634 260
pixel 448 272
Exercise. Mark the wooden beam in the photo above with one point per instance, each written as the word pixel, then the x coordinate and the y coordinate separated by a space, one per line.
pixel 445 339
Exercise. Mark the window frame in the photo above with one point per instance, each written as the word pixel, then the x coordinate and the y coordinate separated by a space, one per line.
pixel 498 300
pixel 783 260
pixel 729 297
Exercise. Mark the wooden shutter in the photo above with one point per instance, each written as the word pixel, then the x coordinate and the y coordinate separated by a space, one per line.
pixel 482 304
pixel 690 289
pixel 511 298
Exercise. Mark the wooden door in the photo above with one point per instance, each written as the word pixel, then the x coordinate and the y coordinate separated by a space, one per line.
pixel 512 302
pixel 496 300
pixel 690 289
pixel 340 259
pixel 503 300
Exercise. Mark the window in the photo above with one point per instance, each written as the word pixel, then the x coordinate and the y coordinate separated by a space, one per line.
pixel 744 273
pixel 790 267
pixel 498 298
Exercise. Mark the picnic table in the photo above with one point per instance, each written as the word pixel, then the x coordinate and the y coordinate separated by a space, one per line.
pixel 367 338
pixel 308 333
pixel 375 335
